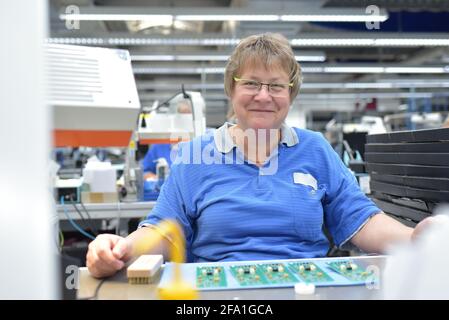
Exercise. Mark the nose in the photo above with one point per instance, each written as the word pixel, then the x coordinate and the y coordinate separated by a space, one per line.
pixel 263 92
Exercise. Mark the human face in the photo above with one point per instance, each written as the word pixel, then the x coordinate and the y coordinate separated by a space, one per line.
pixel 261 110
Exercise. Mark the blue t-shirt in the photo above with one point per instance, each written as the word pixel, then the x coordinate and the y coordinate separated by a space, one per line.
pixel 155 152
pixel 231 209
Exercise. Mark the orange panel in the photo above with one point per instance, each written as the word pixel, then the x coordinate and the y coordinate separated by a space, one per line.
pixel 154 141
pixel 91 138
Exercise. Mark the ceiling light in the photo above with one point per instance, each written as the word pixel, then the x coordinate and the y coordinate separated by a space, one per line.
pixel 225 17
pixel 306 40
pixel 150 70
pixel 410 42
pixel 312 57
pixel 335 18
pixel 353 69
pixel 305 69
pixel 158 57
pixel 222 14
pixel 309 86
pixel 415 70
pixel 156 18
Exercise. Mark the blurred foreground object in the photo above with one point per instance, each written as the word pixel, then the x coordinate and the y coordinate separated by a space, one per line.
pixel 420 270
pixel 170 230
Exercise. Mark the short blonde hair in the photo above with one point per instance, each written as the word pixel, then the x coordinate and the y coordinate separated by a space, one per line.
pixel 184 106
pixel 270 49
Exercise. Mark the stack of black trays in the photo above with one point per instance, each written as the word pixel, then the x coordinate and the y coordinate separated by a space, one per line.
pixel 409 172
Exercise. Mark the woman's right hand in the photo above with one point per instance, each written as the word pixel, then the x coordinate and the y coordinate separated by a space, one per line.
pixel 107 254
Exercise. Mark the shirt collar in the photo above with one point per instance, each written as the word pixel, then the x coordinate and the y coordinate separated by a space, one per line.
pixel 224 142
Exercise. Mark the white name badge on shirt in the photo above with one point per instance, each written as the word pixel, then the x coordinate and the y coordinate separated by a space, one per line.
pixel 305 179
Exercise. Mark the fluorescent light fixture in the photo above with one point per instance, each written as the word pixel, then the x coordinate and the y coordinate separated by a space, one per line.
pixel 202 57
pixel 305 69
pixel 88 41
pixel 170 42
pixel 369 42
pixel 149 70
pixel 335 18
pixel 367 85
pixel 168 19
pixel 314 98
pixel 416 83
pixel 189 57
pixel 353 70
pixel 307 40
pixel 163 19
pixel 410 42
pixel 356 95
pixel 221 14
pixel 416 70
pixel 313 57
pixel 332 42
pixel 384 69
pixel 226 17
pixel 155 57
pixel 309 86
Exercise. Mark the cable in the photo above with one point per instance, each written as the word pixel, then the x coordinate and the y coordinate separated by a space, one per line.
pixel 58 241
pixel 165 103
pixel 61 240
pixel 90 220
pixel 97 290
pixel 77 227
pixel 86 222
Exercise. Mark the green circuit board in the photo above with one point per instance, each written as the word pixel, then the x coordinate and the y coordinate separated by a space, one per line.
pixel 210 277
pixel 248 275
pixel 277 273
pixel 309 272
pixel 350 270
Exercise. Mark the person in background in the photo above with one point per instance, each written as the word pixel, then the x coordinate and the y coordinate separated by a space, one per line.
pixel 244 210
pixel 162 150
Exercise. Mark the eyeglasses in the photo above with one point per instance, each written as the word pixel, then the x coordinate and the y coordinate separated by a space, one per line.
pixel 252 87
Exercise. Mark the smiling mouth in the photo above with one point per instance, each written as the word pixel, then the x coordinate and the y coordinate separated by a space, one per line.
pixel 258 110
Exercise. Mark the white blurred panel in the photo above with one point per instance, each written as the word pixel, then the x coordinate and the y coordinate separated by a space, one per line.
pixel 28 259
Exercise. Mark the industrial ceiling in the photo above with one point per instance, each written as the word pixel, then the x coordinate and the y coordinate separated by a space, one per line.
pixel 403 55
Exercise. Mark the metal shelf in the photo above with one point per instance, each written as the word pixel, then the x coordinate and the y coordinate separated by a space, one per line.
pixel 108 210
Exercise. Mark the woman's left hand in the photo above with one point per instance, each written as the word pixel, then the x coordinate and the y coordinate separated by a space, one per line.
pixel 422 227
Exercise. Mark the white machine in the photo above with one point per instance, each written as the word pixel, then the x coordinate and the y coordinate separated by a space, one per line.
pixel 173 126
pixel 94 96
pixel 368 124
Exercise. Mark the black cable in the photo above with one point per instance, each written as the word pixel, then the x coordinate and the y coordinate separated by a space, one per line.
pixel 76 209
pixel 188 96
pixel 184 93
pixel 97 290
pixel 88 215
pixel 165 103
pixel 87 223
pixel 81 216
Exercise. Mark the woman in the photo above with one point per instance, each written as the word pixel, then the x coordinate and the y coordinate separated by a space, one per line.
pixel 261 189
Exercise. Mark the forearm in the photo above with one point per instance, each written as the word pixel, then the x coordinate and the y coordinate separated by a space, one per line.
pixel 146 240
pixel 380 232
